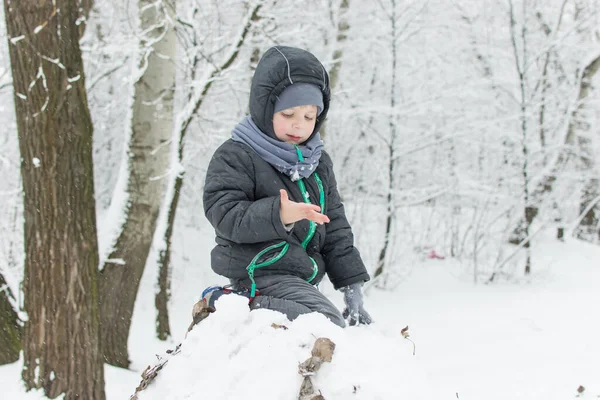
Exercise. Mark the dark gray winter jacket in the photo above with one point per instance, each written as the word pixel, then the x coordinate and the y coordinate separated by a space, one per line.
pixel 241 194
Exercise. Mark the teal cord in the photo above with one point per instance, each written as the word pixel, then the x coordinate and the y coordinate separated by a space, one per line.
pixel 253 264
pixel 285 246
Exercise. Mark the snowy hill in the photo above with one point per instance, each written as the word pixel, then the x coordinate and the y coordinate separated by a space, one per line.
pixel 236 353
pixel 526 338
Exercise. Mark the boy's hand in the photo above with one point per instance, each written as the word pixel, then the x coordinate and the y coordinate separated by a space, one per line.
pixel 290 211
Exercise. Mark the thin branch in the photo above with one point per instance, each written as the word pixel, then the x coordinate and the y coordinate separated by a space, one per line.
pixel 523 242
pixel 199 97
pixel 107 73
pixel 591 205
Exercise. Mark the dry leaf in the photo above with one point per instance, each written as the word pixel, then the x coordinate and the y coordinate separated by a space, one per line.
pixel 277 326
pixel 404 332
pixel 324 349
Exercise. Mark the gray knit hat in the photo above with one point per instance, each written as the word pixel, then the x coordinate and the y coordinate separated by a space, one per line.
pixel 300 94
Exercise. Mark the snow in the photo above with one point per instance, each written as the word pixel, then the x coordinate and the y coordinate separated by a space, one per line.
pixel 17 39
pixel 531 338
pixel 243 346
pixel 112 219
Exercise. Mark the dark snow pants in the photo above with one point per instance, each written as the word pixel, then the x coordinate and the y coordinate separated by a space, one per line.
pixel 293 296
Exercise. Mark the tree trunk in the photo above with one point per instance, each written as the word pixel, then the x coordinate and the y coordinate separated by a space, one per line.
pixel 392 156
pixel 543 82
pixel 589 207
pixel 342 34
pixel 164 261
pixel 61 347
pixel 152 128
pixel 528 211
pixel 10 326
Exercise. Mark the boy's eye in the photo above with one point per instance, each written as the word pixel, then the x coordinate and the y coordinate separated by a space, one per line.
pixel 287 115
pixel 309 118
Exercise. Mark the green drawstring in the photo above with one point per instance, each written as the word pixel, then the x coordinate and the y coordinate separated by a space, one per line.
pixel 285 246
pixel 313 225
pixel 253 265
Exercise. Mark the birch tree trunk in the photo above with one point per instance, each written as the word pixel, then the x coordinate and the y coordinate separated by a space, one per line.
pixel 342 35
pixel 61 347
pixel 151 130
pixel 589 206
pixel 10 326
pixel 338 53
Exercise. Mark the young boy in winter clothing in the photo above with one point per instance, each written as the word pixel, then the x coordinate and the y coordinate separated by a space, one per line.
pixel 272 197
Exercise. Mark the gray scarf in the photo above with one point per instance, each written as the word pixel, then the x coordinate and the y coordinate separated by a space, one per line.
pixel 281 155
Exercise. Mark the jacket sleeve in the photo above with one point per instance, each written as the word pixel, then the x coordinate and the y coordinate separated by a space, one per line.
pixel 229 201
pixel 343 262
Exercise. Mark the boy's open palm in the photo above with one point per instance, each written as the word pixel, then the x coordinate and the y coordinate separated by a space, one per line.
pixel 291 211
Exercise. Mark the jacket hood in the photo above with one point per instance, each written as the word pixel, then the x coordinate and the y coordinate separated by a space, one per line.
pixel 278 68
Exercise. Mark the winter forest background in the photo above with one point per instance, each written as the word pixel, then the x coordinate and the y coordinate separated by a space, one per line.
pixel 458 128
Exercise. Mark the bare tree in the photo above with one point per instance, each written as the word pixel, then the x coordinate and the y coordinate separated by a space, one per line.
pixel 151 130
pixel 576 121
pixel 61 347
pixel 399 30
pixel 391 144
pixel 543 83
pixel 529 89
pixel 195 99
pixel 521 55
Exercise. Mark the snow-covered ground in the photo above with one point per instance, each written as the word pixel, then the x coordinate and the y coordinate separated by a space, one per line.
pixel 533 338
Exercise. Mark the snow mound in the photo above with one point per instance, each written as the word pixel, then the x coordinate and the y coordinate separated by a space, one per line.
pixel 235 353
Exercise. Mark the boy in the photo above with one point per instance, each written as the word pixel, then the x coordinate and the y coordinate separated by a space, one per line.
pixel 272 197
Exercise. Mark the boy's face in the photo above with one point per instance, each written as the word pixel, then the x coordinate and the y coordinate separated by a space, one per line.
pixel 296 124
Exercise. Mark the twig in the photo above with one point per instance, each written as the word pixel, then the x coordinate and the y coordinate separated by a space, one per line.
pixel 406 336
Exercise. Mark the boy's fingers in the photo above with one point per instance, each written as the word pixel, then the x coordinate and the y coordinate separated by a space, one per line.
pixel 311 207
pixel 318 218
pixel 283 194
pixel 311 212
pixel 324 218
